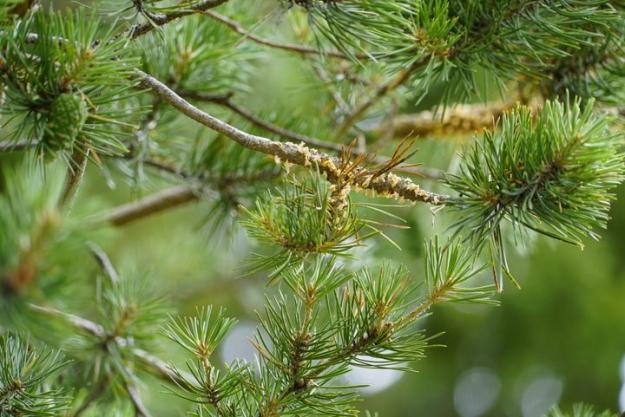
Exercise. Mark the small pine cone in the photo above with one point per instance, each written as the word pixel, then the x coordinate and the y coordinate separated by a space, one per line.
pixel 66 117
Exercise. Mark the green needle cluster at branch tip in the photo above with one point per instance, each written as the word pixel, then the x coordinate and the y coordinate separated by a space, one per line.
pixel 553 173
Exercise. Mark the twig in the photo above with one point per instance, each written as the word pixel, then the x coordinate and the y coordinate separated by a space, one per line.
pixel 96 393
pixel 76 171
pixel 388 184
pixel 163 200
pixel 160 369
pixel 225 100
pixel 380 92
pixel 160 19
pixel 133 394
pixel 83 324
pixel 300 49
pixel 151 363
pixel 181 194
pixel 166 167
pixel 336 96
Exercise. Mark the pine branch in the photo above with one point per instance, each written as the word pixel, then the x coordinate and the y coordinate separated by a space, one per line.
pixel 402 76
pixel 150 363
pixel 552 173
pixel 299 49
pixel 160 19
pixel 83 324
pixel 226 101
pixel 99 390
pixel 104 262
pixel 133 394
pixel 27 387
pixel 155 203
pixel 386 184
pixel 466 119
pixel 76 172
pixel 16 146
pixel 447 285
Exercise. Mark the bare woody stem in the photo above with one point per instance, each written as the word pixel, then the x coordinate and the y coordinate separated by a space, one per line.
pixel 98 390
pixel 160 19
pixel 380 92
pixel 76 172
pixel 176 196
pixel 225 100
pixel 131 388
pixel 104 262
pixel 386 184
pixel 300 49
pixel 9 146
pixel 163 200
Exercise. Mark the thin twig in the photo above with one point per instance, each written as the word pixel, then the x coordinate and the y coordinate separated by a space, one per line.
pixel 168 168
pixel 76 172
pixel 86 325
pixel 104 262
pixel 8 146
pixel 160 19
pixel 388 184
pixel 163 200
pixel 300 49
pixel 160 369
pixel 96 393
pixel 380 92
pixel 150 363
pixel 225 100
pixel 179 195
pixel 336 96
pixel 133 393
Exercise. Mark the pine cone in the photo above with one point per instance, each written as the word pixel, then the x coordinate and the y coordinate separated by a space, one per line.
pixel 66 117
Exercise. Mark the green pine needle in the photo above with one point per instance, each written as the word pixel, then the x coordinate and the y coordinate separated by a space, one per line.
pixel 554 174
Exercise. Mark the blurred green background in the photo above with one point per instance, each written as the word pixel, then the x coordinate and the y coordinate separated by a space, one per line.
pixel 561 339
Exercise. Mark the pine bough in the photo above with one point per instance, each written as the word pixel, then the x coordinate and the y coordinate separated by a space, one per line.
pixel 156 93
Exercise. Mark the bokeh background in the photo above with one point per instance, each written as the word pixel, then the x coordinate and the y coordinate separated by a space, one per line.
pixel 559 340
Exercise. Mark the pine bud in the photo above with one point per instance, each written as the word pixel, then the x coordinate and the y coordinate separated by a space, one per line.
pixel 66 117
